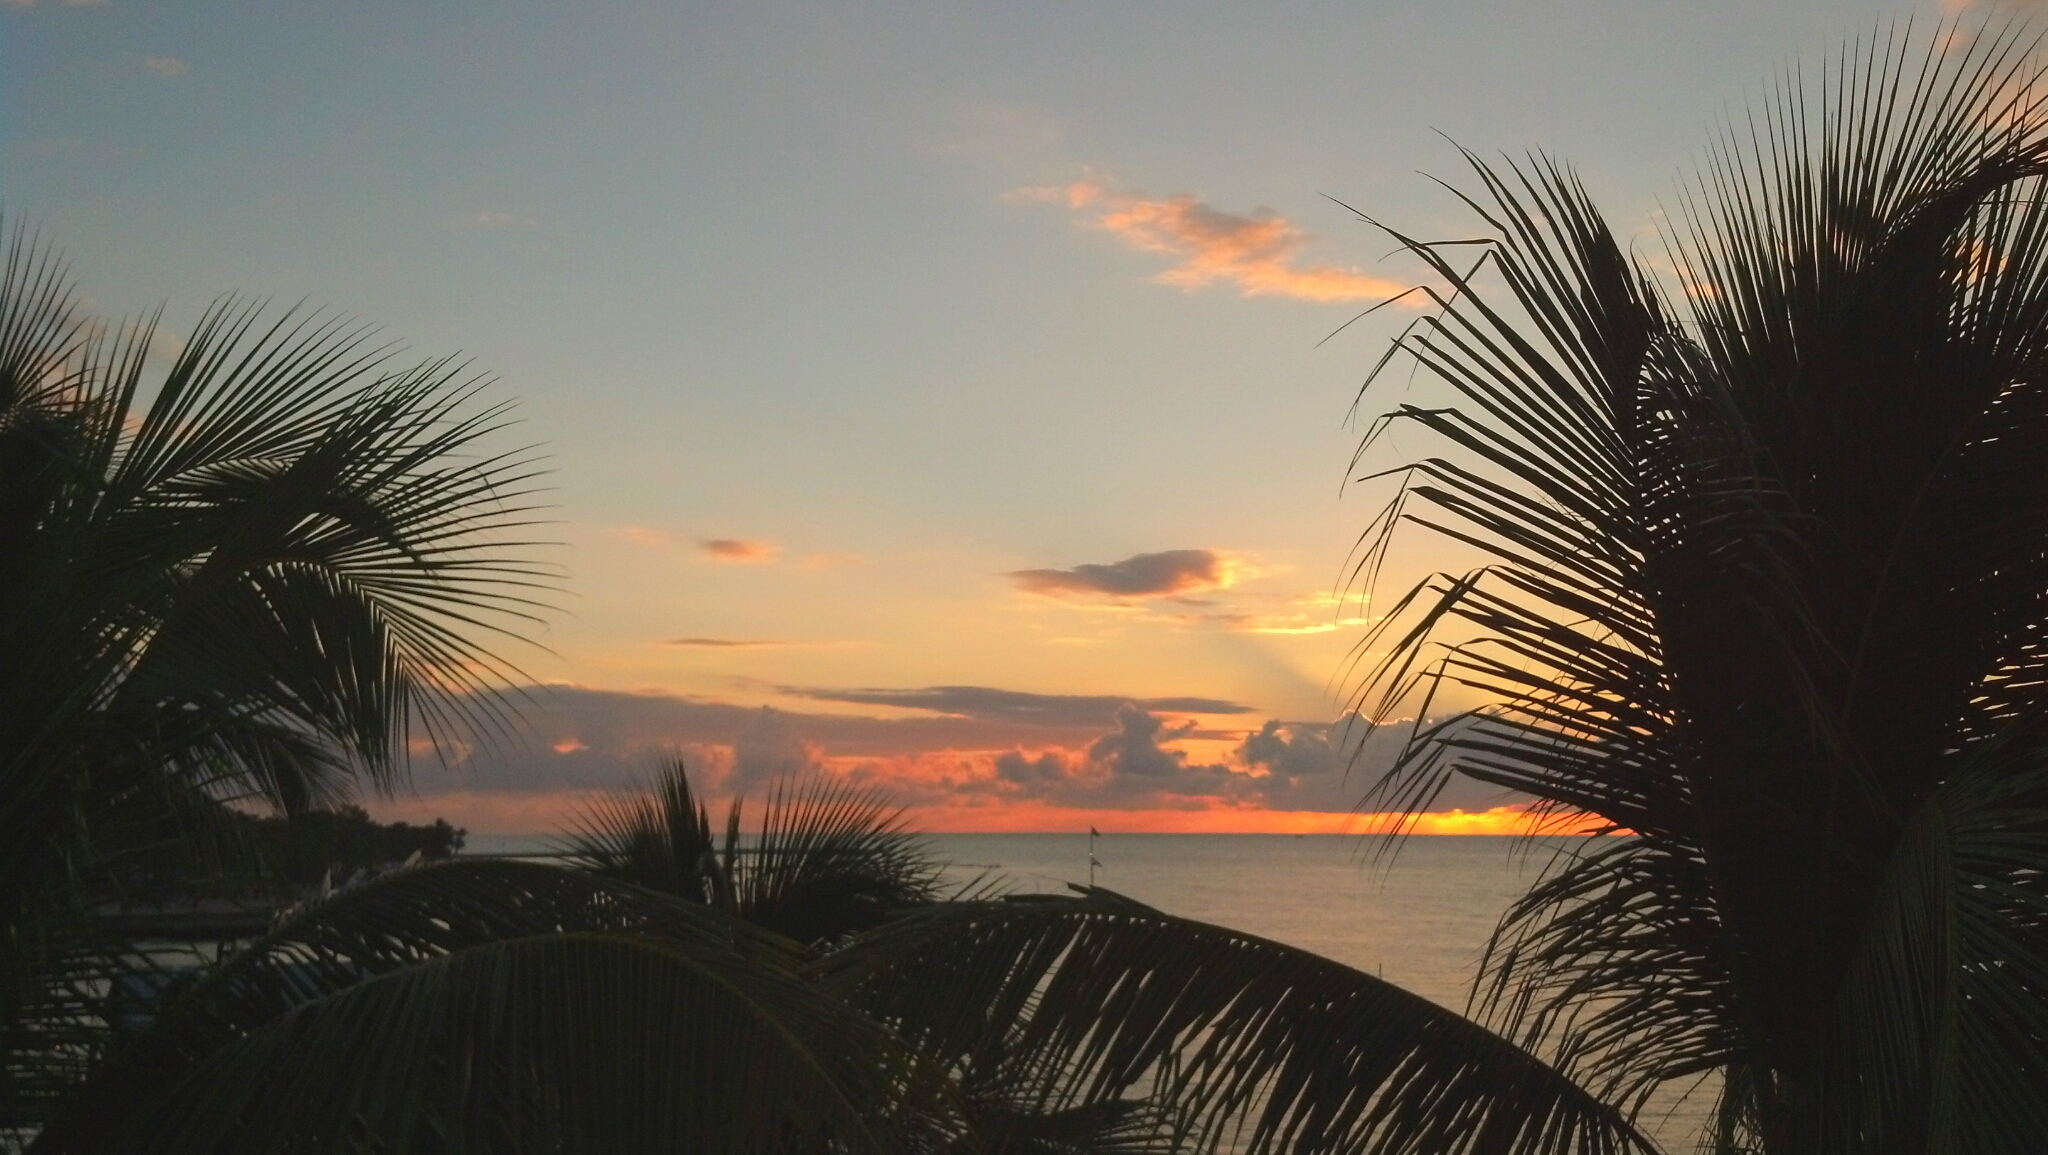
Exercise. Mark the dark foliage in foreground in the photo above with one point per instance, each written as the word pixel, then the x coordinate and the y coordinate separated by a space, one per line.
pixel 826 859
pixel 519 1007
pixel 1765 582
pixel 256 576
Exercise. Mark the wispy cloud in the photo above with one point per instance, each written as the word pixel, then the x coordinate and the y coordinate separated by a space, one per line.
pixel 1146 575
pixel 1307 614
pixel 989 704
pixel 1258 252
pixel 727 643
pixel 739 551
pixel 166 65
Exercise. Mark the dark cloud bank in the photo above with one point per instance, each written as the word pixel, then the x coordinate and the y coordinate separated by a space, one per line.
pixel 1072 750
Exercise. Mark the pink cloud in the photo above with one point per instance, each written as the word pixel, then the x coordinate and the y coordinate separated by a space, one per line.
pixel 1260 252
pixel 739 551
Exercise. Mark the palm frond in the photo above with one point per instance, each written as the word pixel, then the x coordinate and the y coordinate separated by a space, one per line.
pixel 297 561
pixel 1230 1042
pixel 829 859
pixel 826 860
pixel 658 837
pixel 1761 568
pixel 1945 1008
pixel 507 1007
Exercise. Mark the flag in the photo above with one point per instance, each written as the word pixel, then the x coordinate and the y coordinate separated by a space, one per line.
pixel 1094 833
pixel 1094 861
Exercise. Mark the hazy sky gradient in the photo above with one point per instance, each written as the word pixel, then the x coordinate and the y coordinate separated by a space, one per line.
pixel 881 347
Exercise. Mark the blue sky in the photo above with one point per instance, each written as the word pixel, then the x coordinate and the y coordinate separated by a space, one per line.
pixel 900 301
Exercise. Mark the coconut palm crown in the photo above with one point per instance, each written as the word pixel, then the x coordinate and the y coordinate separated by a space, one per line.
pixel 262 569
pixel 1764 580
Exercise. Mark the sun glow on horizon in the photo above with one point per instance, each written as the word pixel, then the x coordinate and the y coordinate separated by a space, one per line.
pixel 554 813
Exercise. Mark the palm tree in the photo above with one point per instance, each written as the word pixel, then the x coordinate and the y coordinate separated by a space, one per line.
pixel 1764 583
pixel 827 860
pixel 1766 565
pixel 504 1007
pixel 479 1005
pixel 261 577
pixel 1090 1024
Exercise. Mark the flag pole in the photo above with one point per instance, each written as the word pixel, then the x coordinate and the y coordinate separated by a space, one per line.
pixel 1093 834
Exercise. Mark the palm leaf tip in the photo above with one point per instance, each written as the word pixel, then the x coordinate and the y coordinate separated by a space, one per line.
pixel 826 859
pixel 1238 1042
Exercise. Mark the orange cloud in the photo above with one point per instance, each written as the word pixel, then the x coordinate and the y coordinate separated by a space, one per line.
pixel 739 551
pixel 1258 252
pixel 1317 614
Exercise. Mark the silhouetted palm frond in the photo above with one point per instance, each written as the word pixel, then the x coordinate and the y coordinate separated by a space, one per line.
pixel 827 859
pixel 509 1007
pixel 1204 1038
pixel 658 837
pixel 1766 570
pixel 264 575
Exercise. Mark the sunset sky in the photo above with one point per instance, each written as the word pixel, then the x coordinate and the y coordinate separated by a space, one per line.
pixel 937 394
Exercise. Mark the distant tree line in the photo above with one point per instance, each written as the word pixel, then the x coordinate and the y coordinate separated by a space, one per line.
pixel 315 844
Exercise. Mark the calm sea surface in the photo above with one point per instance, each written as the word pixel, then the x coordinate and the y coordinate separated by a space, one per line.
pixel 1419 919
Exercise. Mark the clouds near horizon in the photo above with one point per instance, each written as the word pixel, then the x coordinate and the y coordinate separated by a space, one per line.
pixel 996 754
pixel 1259 253
pixel 1293 750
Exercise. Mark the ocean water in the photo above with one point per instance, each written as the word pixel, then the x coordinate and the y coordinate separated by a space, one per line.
pixel 1419 917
